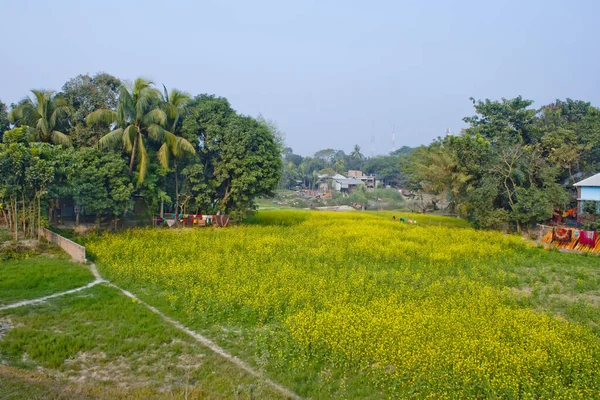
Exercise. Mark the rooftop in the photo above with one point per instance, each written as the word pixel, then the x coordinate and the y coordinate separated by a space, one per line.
pixel 593 180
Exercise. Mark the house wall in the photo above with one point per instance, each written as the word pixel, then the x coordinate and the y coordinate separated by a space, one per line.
pixel 590 193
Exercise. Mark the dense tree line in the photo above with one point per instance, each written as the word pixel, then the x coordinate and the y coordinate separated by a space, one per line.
pixel 514 164
pixel 100 142
pixel 305 170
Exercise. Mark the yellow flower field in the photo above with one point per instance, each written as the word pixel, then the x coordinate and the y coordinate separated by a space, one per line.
pixel 355 305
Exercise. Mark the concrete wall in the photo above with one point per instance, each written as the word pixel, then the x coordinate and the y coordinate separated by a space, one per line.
pixel 76 251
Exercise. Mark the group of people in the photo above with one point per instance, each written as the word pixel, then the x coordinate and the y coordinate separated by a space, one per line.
pixel 403 219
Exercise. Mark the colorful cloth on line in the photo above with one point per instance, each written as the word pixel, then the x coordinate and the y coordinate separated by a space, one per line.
pixel 561 234
pixel 588 238
pixel 170 222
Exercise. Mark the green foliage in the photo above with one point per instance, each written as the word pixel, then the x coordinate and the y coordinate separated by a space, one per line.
pixel 4 124
pixel 591 215
pixel 239 157
pixel 100 182
pixel 86 94
pixel 140 121
pixel 511 164
pixel 47 114
pixel 27 171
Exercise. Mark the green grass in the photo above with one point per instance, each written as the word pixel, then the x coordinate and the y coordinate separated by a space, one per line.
pixel 100 343
pixel 29 278
pixel 562 284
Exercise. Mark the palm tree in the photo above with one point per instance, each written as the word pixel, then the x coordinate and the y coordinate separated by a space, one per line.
pixel 44 114
pixel 138 118
pixel 356 153
pixel 173 104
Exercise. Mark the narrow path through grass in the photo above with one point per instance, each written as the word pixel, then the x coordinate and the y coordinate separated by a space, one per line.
pixel 38 338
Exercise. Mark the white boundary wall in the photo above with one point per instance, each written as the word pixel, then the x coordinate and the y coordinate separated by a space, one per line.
pixel 76 251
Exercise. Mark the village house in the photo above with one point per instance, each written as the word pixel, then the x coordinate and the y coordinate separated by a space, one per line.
pixel 369 180
pixel 588 190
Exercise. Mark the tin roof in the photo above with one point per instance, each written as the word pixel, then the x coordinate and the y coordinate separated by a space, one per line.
pixel 593 180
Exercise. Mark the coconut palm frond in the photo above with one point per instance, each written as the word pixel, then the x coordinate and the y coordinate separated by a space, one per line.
pixel 183 147
pixel 156 133
pixel 143 159
pixel 42 102
pixel 44 129
pixel 171 141
pixel 156 116
pixel 163 156
pixel 111 139
pixel 126 105
pixel 179 99
pixel 60 111
pixel 127 139
pixel 101 116
pixel 60 138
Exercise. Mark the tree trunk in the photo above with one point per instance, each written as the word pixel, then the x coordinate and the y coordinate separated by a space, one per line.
pixel 225 197
pixel 24 215
pixel 176 190
pixel 39 216
pixel 16 218
pixel 32 219
pixel 5 218
pixel 132 159
pixel 50 204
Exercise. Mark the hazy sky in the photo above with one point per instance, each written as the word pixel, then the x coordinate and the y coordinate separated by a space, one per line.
pixel 325 71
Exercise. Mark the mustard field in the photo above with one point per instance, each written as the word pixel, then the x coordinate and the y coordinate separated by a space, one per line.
pixel 356 305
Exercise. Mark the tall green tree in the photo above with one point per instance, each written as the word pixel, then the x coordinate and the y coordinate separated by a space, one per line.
pixel 508 120
pixel 86 94
pixel 47 114
pixel 4 124
pixel 174 104
pixel 356 153
pixel 138 120
pixel 26 172
pixel 238 158
pixel 99 183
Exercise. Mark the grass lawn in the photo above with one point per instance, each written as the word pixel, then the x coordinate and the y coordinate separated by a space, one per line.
pixel 41 275
pixel 99 343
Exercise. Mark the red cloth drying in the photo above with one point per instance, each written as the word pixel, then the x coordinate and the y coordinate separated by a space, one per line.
pixel 588 238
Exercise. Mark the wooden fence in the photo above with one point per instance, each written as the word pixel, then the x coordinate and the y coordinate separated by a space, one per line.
pixel 76 251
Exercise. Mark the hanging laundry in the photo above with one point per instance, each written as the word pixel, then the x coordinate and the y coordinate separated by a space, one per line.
pixel 576 234
pixel 562 235
pixel 588 238
pixel 170 222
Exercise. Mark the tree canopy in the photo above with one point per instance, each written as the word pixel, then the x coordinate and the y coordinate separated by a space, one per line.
pixel 514 164
pixel 101 143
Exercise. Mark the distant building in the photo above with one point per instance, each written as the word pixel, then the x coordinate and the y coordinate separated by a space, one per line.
pixel 355 174
pixel 588 190
pixel 346 184
pixel 368 180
